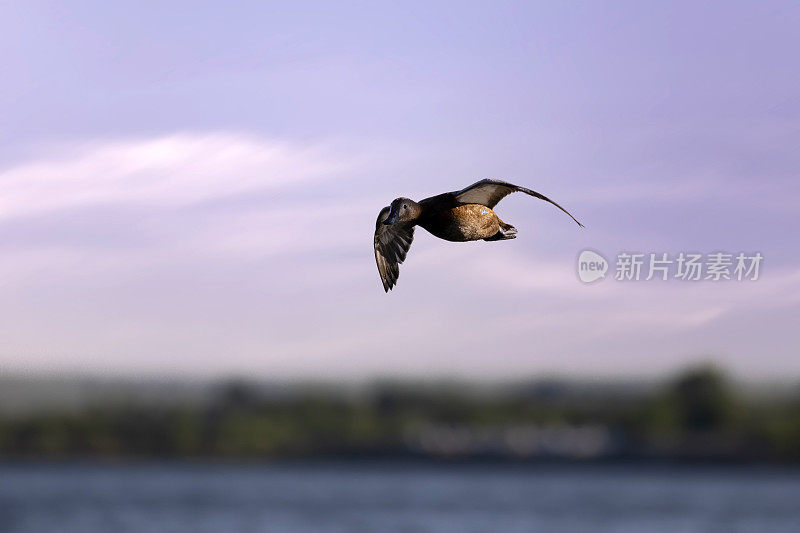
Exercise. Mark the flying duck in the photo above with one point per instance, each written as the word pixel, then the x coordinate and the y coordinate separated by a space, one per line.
pixel 459 216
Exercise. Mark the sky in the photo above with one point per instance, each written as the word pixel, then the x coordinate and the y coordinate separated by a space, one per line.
pixel 189 189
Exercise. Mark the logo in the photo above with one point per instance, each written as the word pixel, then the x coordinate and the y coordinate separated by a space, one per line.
pixel 591 266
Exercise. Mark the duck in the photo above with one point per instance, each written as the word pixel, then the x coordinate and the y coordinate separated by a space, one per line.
pixel 459 216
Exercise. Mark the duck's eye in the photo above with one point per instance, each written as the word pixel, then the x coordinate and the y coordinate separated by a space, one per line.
pixel 404 207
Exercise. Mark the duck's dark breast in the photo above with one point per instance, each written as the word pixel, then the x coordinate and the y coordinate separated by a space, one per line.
pixel 470 222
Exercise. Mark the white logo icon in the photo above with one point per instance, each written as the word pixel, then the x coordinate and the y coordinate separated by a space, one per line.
pixel 591 266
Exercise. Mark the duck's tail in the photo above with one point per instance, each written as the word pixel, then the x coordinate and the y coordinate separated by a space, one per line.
pixel 506 231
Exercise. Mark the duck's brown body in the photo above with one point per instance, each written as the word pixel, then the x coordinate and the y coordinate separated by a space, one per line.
pixel 471 222
pixel 443 217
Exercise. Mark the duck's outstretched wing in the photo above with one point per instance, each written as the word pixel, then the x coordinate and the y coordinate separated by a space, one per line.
pixel 391 246
pixel 489 193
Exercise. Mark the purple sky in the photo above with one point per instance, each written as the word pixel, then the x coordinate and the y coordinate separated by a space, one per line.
pixel 191 189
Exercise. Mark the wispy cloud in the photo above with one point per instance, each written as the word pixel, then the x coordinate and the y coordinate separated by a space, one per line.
pixel 168 171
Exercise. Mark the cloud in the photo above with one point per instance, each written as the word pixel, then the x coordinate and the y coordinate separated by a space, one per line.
pixel 168 171
pixel 110 206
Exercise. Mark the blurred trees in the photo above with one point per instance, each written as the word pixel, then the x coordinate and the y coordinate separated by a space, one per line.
pixel 703 399
pixel 697 415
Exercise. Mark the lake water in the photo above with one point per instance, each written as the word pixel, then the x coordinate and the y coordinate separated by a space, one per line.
pixel 190 497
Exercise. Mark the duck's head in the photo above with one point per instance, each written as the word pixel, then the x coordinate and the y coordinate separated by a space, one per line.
pixel 403 210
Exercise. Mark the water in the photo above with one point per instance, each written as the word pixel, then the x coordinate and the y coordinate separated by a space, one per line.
pixel 188 497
